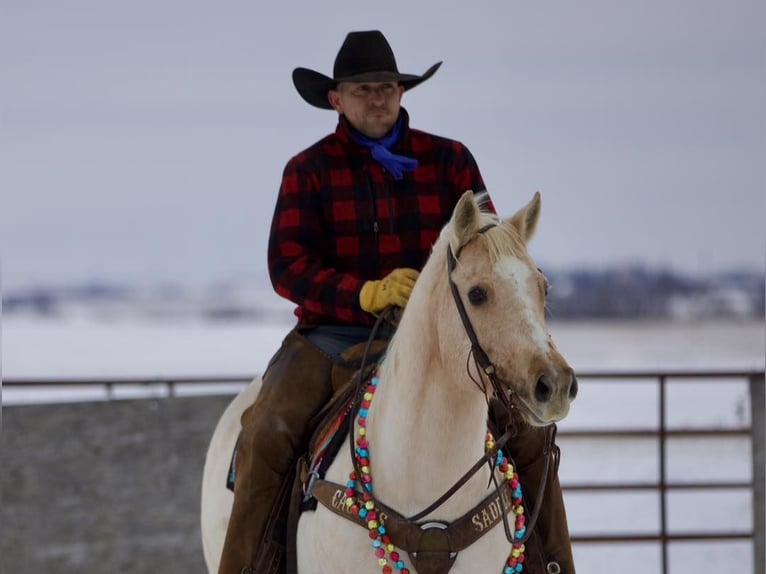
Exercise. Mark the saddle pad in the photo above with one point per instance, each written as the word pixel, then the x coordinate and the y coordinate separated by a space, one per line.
pixel 327 441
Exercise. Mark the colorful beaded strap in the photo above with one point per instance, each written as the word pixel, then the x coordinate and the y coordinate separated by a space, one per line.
pixel 389 559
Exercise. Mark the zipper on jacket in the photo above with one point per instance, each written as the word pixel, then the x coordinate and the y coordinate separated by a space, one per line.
pixel 373 201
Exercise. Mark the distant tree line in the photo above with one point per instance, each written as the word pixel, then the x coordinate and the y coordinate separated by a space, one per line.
pixel 640 292
pixel 616 292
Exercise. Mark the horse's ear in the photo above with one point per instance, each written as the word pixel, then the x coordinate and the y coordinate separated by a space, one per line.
pixel 525 220
pixel 465 219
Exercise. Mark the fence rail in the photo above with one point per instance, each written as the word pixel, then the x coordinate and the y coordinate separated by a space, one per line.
pixel 756 430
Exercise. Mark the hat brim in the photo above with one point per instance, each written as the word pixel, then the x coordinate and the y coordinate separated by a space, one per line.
pixel 313 86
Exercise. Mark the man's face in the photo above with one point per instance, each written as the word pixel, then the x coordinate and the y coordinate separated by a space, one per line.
pixel 372 108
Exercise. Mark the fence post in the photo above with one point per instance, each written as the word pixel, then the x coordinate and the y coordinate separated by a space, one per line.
pixel 663 479
pixel 757 412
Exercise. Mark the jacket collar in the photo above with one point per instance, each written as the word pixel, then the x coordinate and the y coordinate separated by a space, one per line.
pixel 343 127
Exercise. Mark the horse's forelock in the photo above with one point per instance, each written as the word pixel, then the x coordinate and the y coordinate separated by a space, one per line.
pixel 501 239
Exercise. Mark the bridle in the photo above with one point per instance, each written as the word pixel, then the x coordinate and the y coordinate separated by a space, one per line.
pixel 478 353
pixel 433 545
pixel 487 367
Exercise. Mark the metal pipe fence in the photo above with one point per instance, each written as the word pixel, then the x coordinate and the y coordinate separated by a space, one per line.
pixel 663 485
pixel 663 432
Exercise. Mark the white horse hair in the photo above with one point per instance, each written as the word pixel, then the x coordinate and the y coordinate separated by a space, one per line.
pixel 427 422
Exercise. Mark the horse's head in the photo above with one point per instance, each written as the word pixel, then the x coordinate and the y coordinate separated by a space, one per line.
pixel 503 293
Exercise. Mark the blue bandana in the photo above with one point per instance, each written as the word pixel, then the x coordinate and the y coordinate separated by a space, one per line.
pixel 395 164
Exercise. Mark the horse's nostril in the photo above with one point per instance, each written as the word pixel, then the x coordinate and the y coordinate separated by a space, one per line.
pixel 543 389
pixel 573 388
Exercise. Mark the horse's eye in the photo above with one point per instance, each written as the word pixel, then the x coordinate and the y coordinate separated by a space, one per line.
pixel 477 295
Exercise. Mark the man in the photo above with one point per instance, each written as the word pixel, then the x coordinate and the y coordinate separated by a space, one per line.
pixel 355 219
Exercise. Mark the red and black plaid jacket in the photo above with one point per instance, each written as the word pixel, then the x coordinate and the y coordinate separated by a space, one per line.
pixel 341 219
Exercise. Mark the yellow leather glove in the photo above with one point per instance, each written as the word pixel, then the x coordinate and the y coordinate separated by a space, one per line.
pixel 393 289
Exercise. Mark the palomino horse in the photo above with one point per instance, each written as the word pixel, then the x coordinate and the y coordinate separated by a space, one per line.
pixel 479 296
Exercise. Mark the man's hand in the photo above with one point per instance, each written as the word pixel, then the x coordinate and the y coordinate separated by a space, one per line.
pixel 393 289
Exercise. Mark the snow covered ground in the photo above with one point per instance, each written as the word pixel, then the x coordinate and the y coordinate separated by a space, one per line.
pixel 83 346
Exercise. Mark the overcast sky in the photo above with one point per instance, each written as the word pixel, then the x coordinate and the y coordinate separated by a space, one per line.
pixel 144 141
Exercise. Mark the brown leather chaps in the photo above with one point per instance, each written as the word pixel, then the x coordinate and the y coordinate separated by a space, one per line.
pixel 296 385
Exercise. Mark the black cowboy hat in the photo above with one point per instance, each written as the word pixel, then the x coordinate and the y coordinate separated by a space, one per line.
pixel 363 57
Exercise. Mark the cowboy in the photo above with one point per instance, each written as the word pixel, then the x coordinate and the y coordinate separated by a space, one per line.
pixel 355 219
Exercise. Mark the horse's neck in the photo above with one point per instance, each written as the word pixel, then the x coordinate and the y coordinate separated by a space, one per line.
pixel 424 433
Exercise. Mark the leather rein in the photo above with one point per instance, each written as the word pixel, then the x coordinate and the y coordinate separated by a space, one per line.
pixel 438 540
